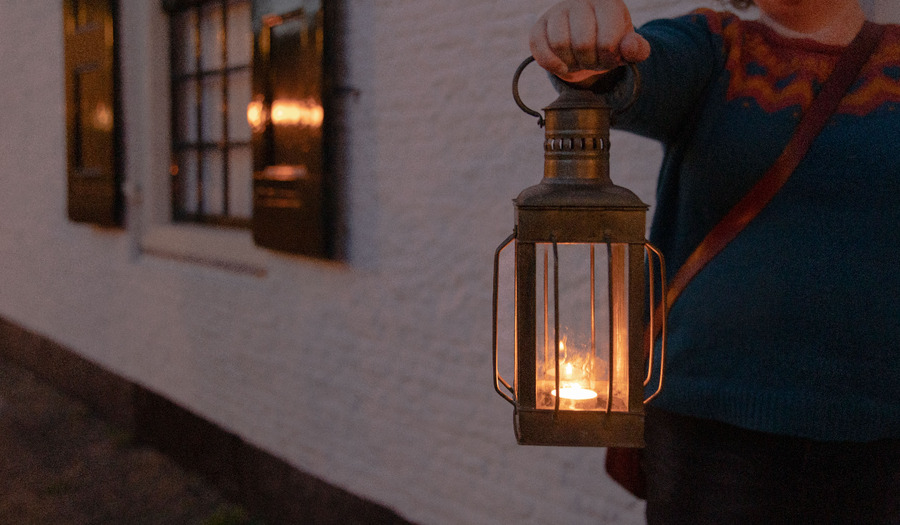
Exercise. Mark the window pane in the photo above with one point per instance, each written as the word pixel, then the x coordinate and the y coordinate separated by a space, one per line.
pixel 240 182
pixel 240 34
pixel 211 111
pixel 208 128
pixel 211 37
pixel 184 46
pixel 186 112
pixel 186 182
pixel 213 183
pixel 239 94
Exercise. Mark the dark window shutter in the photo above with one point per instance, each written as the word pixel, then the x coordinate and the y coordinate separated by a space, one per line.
pixel 92 120
pixel 293 187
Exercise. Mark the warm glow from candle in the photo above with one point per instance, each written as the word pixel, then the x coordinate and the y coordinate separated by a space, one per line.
pixel 571 387
pixel 575 393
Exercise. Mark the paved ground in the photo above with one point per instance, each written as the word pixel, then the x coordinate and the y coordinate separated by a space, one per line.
pixel 60 464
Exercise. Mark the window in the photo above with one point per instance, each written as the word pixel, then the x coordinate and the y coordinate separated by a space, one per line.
pixel 211 67
pixel 253 120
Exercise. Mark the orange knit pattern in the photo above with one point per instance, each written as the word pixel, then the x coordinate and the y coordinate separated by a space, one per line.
pixel 779 73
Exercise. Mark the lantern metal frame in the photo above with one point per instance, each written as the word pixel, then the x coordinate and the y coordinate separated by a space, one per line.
pixel 577 203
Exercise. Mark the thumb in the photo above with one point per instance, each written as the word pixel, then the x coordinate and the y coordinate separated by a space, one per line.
pixel 634 48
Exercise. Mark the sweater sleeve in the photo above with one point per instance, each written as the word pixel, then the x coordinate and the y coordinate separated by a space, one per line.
pixel 686 54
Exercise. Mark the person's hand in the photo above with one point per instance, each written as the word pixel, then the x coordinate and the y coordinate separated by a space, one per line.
pixel 579 39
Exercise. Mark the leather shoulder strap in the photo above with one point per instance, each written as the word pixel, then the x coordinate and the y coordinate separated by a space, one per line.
pixel 823 106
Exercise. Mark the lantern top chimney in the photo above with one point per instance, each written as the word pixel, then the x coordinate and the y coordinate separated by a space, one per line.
pixel 576 154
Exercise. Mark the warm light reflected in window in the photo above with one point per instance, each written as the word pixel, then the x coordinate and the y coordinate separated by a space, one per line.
pixel 297 113
pixel 286 113
pixel 103 117
pixel 256 115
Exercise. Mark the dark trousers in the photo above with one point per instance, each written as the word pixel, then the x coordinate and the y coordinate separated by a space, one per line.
pixel 705 472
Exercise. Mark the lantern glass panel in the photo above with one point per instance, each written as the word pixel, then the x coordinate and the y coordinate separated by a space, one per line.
pixel 592 304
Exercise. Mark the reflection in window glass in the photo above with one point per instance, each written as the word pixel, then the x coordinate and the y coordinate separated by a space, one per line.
pixel 239 95
pixel 211 36
pixel 185 114
pixel 239 34
pixel 211 109
pixel 212 181
pixel 184 54
pixel 185 179
pixel 240 163
pixel 211 53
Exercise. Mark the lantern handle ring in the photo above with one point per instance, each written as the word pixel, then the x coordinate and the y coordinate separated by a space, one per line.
pixel 515 89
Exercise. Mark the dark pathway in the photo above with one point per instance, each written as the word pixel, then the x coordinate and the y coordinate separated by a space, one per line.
pixel 60 464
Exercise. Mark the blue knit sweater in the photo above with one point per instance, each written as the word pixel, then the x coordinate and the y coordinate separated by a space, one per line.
pixel 795 327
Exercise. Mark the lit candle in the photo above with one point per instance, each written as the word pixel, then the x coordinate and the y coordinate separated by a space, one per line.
pixel 578 389
pixel 575 393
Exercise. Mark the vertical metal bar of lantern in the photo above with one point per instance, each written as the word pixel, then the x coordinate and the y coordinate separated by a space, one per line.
pixel 556 320
pixel 546 309
pixel 622 258
pixel 593 319
pixel 619 259
pixel 515 384
pixel 526 323
pixel 611 331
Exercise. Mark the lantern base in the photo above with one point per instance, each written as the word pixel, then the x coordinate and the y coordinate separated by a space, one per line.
pixel 579 428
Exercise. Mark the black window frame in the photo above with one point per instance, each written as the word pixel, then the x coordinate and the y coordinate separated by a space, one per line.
pixel 226 144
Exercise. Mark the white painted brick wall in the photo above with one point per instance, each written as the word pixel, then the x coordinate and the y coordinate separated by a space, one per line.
pixel 372 375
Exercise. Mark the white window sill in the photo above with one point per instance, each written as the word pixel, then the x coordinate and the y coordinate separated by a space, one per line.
pixel 221 248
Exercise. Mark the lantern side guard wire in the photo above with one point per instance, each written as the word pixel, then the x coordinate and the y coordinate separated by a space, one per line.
pixel 497 378
pixel 651 251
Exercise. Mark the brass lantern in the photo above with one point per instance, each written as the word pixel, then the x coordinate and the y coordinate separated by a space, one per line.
pixel 583 272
